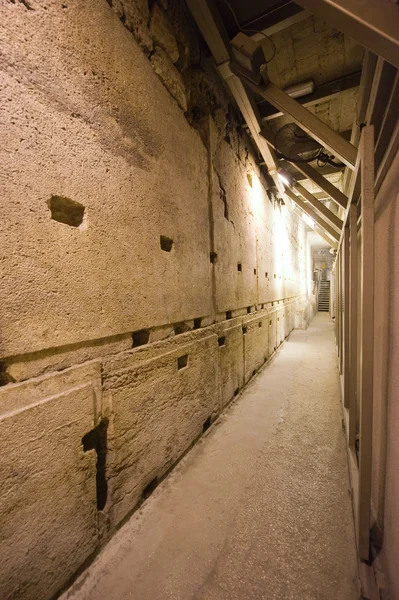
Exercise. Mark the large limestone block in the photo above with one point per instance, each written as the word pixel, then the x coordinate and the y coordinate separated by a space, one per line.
pixel 134 14
pixel 48 483
pixel 256 340
pixel 162 33
pixel 159 407
pixel 231 359
pixel 280 315
pixel 170 76
pixel 89 121
pixel 272 316
pixel 234 233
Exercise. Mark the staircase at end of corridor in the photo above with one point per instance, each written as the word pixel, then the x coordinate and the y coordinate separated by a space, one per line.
pixel 324 296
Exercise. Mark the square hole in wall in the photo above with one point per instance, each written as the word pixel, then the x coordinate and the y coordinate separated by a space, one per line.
pixel 260 323
pixel 229 315
pixel 140 337
pixel 248 309
pixel 182 361
pixel 266 274
pixel 206 424
pixel 67 211
pixel 239 267
pixel 197 323
pixel 222 341
pixel 254 271
pixel 150 488
pixel 166 243
pixel 212 257
pixel 244 329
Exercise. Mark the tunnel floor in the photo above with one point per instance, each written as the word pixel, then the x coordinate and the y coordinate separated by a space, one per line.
pixel 259 509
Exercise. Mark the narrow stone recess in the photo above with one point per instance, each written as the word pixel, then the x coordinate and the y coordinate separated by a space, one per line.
pixel 141 337
pixel 197 323
pixel 148 490
pixel 5 377
pixel 206 424
pixel 67 211
pixel 182 361
pixel 96 439
pixel 222 341
pixel 166 243
pixel 212 257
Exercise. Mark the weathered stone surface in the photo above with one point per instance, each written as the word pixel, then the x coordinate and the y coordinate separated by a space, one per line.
pixel 48 491
pixel 272 331
pixel 255 339
pixel 25 367
pixel 185 33
pixel 162 33
pixel 170 77
pixel 231 359
pixel 134 14
pixel 117 143
pixel 158 410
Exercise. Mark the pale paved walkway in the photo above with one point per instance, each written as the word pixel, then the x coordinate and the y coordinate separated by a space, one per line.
pixel 259 509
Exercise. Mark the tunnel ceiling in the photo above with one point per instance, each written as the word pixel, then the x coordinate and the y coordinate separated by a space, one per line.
pixel 306 48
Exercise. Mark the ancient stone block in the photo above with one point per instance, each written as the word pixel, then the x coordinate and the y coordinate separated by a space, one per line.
pixel 170 77
pixel 231 360
pixel 272 320
pixel 72 286
pixel 48 517
pixel 162 33
pixel 158 409
pixel 255 340
pixel 134 15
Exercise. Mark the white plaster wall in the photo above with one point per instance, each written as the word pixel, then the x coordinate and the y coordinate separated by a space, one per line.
pixel 385 488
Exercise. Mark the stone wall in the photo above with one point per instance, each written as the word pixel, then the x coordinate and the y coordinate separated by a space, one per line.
pixel 147 270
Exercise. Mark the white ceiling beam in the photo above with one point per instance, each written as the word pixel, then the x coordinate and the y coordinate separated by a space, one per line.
pixel 372 23
pixel 315 228
pixel 312 214
pixel 215 35
pixel 309 122
pixel 333 192
pixel 281 25
pixel 319 206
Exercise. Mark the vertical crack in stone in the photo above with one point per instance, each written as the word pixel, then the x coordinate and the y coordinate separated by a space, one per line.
pixel 96 439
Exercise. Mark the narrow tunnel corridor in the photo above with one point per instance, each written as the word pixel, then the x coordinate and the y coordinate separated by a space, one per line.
pixel 260 508
pixel 199 300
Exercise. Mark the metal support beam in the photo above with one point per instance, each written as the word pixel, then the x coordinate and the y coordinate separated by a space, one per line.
pixel 215 35
pixel 312 214
pixel 276 20
pixel 352 325
pixel 316 228
pixel 323 183
pixel 309 122
pixel 374 24
pixel 367 339
pixel 311 173
pixel 346 315
pixel 322 93
pixel 319 206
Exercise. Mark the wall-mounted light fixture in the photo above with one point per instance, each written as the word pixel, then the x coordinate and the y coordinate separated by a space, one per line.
pixel 247 57
pixel 300 89
pixel 308 220
pixel 286 177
